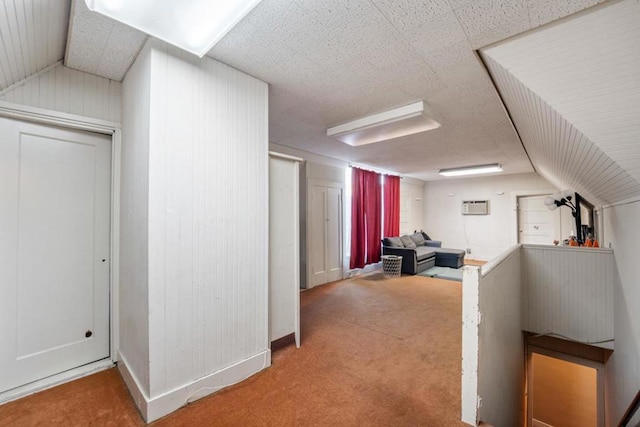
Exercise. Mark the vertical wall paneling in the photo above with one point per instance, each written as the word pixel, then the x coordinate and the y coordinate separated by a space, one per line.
pixel 470 344
pixel 33 35
pixel 134 237
pixel 208 227
pixel 622 370
pixel 501 348
pixel 68 91
pixel 569 291
pixel 284 247
pixel 577 109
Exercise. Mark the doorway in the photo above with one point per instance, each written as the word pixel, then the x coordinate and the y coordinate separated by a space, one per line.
pixel 55 231
pixel 563 390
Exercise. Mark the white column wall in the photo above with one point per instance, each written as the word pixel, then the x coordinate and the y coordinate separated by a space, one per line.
pixel 208 219
pixel 195 217
pixel 134 236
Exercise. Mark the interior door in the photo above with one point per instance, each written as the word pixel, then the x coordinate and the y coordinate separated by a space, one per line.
pixel 55 193
pixel 317 233
pixel 333 234
pixel 536 223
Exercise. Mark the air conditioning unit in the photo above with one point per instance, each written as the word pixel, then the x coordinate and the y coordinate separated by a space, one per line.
pixel 475 207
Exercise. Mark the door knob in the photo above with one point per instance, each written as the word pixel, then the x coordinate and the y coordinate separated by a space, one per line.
pixel 88 334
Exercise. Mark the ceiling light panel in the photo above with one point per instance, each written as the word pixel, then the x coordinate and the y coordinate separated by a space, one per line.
pixel 193 25
pixel 471 170
pixel 390 124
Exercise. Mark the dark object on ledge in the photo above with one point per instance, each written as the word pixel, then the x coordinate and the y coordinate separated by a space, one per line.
pixel 419 253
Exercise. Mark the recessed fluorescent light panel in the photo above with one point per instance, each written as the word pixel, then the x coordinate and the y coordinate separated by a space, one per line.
pixel 193 25
pixel 402 121
pixel 471 170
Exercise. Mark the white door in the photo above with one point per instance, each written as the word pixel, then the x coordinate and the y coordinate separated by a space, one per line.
pixel 54 250
pixel 333 236
pixel 536 223
pixel 317 245
pixel 284 249
pixel 324 234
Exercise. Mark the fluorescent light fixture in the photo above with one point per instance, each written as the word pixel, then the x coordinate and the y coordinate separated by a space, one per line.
pixel 402 121
pixel 193 25
pixel 471 170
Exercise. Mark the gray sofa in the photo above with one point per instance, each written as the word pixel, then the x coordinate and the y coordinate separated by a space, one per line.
pixel 420 253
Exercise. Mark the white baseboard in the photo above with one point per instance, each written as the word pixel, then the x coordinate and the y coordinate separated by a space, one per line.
pixel 164 404
pixel 54 380
pixel 138 394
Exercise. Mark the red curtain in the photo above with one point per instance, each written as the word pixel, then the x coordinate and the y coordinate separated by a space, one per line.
pixel 391 207
pixel 365 218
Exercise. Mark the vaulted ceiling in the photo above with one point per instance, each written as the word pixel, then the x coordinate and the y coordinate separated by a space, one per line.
pixel 331 61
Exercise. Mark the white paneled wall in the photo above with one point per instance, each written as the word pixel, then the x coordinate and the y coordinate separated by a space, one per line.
pixel 588 71
pixel 134 235
pixel 622 371
pixel 560 152
pixel 33 34
pixel 573 92
pixel 207 226
pixel 69 91
pixel 208 221
pixel 492 342
pixel 568 291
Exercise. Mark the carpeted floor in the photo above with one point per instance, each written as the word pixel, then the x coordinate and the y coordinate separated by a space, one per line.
pixel 446 273
pixel 375 352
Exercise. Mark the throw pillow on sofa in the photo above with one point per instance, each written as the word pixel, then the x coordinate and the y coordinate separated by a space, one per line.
pixel 425 235
pixel 394 242
pixel 408 242
pixel 418 239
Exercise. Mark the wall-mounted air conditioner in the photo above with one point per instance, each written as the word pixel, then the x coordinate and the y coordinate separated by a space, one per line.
pixel 475 207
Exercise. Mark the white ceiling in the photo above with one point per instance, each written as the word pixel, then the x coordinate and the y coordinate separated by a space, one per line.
pixel 328 62
pixel 574 94
pixel 99 45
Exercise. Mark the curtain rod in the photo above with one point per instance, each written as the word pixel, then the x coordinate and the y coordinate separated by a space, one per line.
pixel 376 171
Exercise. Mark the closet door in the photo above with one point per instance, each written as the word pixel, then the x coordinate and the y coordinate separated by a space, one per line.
pixel 324 233
pixel 284 247
pixel 333 234
pixel 317 244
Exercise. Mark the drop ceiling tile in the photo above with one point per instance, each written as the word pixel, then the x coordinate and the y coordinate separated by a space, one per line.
pixel 99 45
pixel 409 15
pixel 488 21
pixel 545 11
pixel 436 34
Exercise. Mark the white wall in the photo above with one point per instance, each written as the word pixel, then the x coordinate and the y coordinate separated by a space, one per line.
pixel 486 235
pixel 568 291
pixel 134 236
pixel 411 205
pixel 492 342
pixel 207 226
pixel 68 91
pixel 622 371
